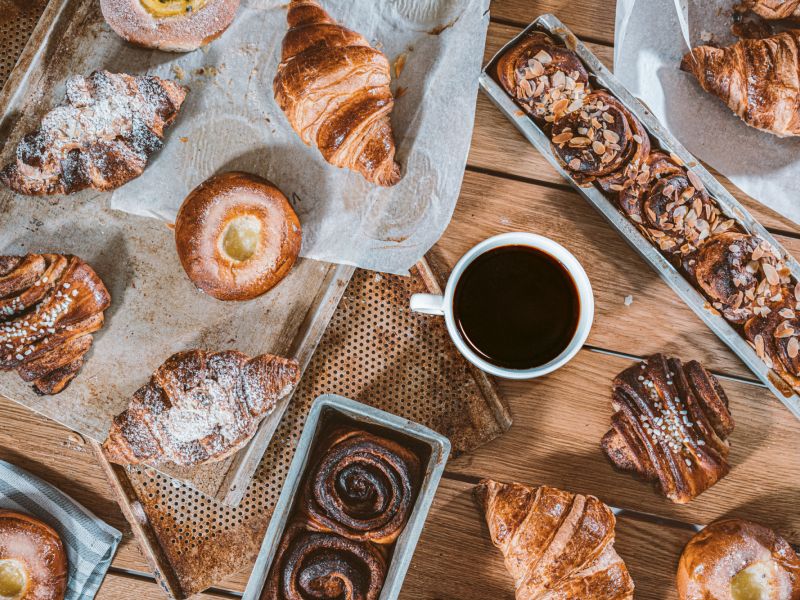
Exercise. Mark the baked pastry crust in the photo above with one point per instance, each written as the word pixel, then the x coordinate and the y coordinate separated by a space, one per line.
pixel 734 554
pixel 199 407
pixel 50 304
pixel 32 557
pixel 180 33
pixel 556 544
pixel 101 136
pixel 245 203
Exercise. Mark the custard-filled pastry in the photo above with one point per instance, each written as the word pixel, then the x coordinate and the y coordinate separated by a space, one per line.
pixel 33 563
pixel 334 89
pixel 363 487
pixel 756 78
pixel 741 275
pixel 555 544
pixel 546 79
pixel 738 560
pixel 315 565
pixel 603 142
pixel 171 25
pixel 670 426
pixel 101 137
pixel 50 305
pixel 199 407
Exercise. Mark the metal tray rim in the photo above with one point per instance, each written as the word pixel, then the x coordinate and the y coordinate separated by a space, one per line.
pixel 727 203
pixel 406 543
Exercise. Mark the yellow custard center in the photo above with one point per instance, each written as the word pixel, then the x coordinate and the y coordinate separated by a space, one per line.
pixel 754 582
pixel 240 239
pixel 12 579
pixel 172 8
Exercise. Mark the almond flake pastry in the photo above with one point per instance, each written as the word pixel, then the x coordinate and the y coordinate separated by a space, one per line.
pixel 101 136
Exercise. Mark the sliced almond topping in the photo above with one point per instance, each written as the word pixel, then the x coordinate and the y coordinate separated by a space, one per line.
pixel 562 137
pixel 536 67
pixel 771 273
pixel 638 139
pixel 579 141
pixel 610 136
pixel 575 164
pixel 598 148
pixel 608 117
pixel 757 253
pixel 784 330
pixel 543 57
pixel 786 313
pixel 559 79
pixel 759 342
pixel 793 348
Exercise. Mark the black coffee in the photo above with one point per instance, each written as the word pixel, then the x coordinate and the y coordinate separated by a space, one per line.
pixel 516 307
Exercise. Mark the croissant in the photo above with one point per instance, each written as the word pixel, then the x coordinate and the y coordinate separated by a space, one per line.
pixel 546 79
pixel 756 78
pixel 100 138
pixel 670 426
pixel 363 487
pixel 671 207
pixel 334 89
pixel 773 10
pixel 555 544
pixel 199 407
pixel 50 304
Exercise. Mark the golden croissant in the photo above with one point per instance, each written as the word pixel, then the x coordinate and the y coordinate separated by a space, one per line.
pixel 556 544
pixel 199 407
pixel 334 89
pixel 50 304
pixel 756 78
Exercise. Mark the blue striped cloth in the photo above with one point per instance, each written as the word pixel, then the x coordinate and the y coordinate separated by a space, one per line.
pixel 89 542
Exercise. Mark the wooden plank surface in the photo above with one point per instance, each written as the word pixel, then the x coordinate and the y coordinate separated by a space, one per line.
pixel 560 419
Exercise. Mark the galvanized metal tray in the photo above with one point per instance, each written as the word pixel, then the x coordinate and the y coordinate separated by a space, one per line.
pixel 323 408
pixel 727 203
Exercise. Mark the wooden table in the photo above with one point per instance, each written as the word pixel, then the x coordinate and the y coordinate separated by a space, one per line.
pixel 560 419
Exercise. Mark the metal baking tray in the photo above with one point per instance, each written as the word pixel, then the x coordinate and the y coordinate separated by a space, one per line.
pixel 325 407
pixel 727 203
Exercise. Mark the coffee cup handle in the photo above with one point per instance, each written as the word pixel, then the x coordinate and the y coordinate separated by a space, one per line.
pixel 428 304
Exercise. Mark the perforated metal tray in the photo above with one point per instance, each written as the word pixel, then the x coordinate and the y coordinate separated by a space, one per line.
pixel 727 203
pixel 323 408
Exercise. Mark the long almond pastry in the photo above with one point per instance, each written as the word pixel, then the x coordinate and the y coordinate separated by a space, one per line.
pixel 50 304
pixel 314 565
pixel 334 89
pixel 756 78
pixel 555 544
pixel 363 487
pixel 199 407
pixel 670 426
pixel 101 136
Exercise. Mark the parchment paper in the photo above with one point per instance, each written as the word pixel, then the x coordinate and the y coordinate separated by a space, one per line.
pixel 649 46
pixel 231 121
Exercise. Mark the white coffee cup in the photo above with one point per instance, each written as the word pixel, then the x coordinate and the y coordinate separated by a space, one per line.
pixel 433 304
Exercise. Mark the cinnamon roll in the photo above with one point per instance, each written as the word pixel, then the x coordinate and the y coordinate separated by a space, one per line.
pixel 670 426
pixel 741 274
pixel 671 206
pixel 547 80
pixel 312 565
pixel 363 487
pixel 602 142
pixel 776 337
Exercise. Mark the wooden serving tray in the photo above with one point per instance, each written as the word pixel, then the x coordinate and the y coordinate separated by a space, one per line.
pixel 376 351
pixel 155 310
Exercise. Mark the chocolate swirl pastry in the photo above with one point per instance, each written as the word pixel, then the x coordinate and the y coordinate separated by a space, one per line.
pixel 547 80
pixel 314 565
pixel 741 274
pixel 602 142
pixel 776 337
pixel 670 426
pixel 50 305
pixel 363 487
pixel 671 206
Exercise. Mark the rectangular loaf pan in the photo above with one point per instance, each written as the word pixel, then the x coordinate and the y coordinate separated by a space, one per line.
pixel 324 408
pixel 727 203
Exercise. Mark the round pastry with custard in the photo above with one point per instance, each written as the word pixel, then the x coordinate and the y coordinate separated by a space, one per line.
pixel 237 236
pixel 734 559
pixel 172 25
pixel 33 564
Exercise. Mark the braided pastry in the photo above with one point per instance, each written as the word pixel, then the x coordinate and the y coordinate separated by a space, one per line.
pixel 670 426
pixel 363 487
pixel 199 407
pixel 50 304
pixel 555 544
pixel 313 565
pixel 100 138
pixel 334 89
